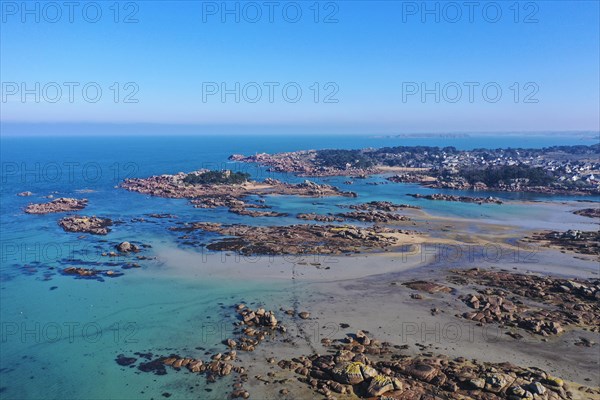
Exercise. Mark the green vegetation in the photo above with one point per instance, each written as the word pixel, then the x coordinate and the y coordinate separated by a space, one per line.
pixel 494 175
pixel 340 159
pixel 217 178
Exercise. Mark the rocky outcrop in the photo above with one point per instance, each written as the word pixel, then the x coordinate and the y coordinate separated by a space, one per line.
pixel 462 199
pixel 296 239
pixel 381 206
pixel 235 206
pixel 25 194
pixel 429 287
pixel 374 216
pixel 83 224
pixel 255 213
pixel 62 204
pixel 319 217
pixel 576 241
pixel 588 212
pixel 126 247
pixel 563 304
pixel 90 273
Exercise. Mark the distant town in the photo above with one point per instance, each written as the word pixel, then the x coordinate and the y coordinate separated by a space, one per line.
pixel 557 169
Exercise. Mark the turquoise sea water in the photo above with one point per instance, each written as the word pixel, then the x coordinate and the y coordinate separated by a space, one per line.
pixel 60 335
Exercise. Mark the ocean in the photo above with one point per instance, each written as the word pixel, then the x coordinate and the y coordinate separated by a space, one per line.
pixel 60 335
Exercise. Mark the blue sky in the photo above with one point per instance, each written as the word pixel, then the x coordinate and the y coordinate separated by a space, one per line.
pixel 369 56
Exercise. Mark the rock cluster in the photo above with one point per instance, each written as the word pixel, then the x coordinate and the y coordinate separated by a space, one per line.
pixel 564 303
pixel 25 194
pixel 255 326
pixel 254 213
pixel 235 205
pixel 429 287
pixel 295 239
pixel 588 212
pixel 388 375
pixel 62 204
pixel 252 328
pixel 381 206
pixel 374 216
pixel 83 224
pixel 582 242
pixel 462 199
pixel 319 217
pixel 162 216
pixel 218 201
pixel 90 273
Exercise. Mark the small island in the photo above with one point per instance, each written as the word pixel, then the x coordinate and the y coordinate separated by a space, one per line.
pixel 62 204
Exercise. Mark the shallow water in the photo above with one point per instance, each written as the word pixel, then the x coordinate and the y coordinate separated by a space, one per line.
pixel 60 335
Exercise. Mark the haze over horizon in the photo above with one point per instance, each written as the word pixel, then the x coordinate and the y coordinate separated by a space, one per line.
pixel 338 67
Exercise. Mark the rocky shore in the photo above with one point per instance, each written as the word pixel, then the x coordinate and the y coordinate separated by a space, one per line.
pixel 361 366
pixel 541 305
pixel 462 199
pixel 84 224
pixel 62 204
pixel 355 366
pixel 296 239
pixel 581 242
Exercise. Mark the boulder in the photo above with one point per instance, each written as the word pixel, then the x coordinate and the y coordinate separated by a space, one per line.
pixel 379 385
